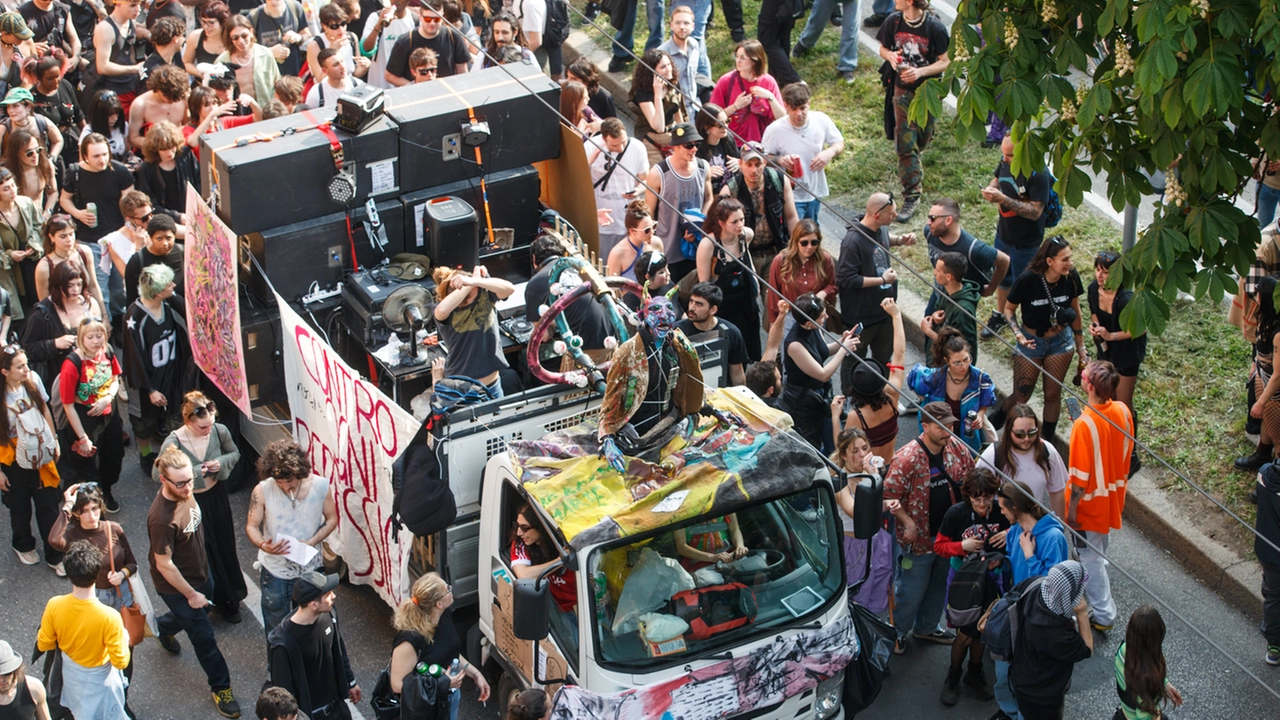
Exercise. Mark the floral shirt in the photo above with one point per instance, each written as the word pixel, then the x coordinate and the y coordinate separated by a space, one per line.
pixel 908 483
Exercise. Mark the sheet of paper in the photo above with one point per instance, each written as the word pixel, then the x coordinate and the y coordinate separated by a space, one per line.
pixel 383 177
pixel 419 211
pixel 299 551
pixel 672 502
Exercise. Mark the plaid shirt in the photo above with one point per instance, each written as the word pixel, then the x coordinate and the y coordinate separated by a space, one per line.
pixel 908 483
pixel 1266 262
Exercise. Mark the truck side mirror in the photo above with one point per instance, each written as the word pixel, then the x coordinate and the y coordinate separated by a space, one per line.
pixel 531 608
pixel 868 499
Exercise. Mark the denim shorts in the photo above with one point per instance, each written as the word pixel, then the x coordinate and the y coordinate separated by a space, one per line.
pixel 1019 259
pixel 1061 344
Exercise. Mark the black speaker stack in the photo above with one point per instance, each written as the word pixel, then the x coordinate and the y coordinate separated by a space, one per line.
pixel 273 182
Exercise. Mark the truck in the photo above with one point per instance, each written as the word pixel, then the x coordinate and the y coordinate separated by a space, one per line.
pixel 766 635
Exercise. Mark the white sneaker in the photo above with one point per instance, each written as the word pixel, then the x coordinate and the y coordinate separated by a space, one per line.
pixel 59 570
pixel 27 558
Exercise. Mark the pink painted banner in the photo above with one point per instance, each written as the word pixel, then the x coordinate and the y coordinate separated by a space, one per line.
pixel 352 433
pixel 213 300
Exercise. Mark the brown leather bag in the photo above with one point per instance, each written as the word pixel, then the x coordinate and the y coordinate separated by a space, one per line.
pixel 134 621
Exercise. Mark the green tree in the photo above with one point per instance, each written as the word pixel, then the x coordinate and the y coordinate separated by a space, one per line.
pixel 1125 87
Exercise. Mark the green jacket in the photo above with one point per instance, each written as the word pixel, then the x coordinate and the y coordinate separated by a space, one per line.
pixel 961 311
pixel 265 73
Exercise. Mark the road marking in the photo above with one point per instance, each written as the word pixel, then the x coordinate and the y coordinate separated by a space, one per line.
pixel 253 601
pixel 355 712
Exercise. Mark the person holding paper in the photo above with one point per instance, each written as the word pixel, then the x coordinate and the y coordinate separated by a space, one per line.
pixel 212 451
pixel 291 511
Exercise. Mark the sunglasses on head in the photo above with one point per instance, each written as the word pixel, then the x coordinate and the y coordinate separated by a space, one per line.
pixel 887 204
pixel 90 319
pixel 204 411
pixel 86 487
pixel 12 349
pixel 656 261
pixel 1024 434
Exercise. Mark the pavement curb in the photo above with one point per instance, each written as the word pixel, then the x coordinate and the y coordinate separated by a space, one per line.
pixel 1234 577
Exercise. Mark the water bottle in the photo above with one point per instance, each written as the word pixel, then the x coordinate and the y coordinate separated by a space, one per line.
pixel 969 421
pixel 455 667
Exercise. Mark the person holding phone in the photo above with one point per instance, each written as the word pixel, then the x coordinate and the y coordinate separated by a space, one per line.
pixel 618 165
pixel 212 453
pixel 808 363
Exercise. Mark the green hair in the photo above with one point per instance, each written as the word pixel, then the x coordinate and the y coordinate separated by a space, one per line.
pixel 154 279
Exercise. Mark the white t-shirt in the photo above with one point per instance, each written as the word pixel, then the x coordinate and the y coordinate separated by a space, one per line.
pixel 392 32
pixel 783 138
pixel 123 247
pixel 1027 472
pixel 609 195
pixel 322 94
pixel 532 14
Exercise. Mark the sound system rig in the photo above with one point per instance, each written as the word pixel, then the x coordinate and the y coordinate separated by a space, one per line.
pixel 304 192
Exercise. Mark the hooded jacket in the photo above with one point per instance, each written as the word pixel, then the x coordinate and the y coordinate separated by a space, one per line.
pixel 1051 548
pixel 961 310
pixel 1268 515
pixel 1047 648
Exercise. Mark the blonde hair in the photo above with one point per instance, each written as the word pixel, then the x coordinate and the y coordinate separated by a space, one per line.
pixel 414 614
pixel 171 458
pixel 87 326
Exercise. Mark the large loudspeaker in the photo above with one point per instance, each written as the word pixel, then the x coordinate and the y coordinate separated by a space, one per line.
pixel 430 115
pixel 286 180
pixel 263 362
pixel 513 203
pixel 294 256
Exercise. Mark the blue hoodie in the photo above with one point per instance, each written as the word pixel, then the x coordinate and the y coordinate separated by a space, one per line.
pixel 1051 548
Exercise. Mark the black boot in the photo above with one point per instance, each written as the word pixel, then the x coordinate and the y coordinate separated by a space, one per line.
pixel 1047 429
pixel 1260 457
pixel 951 689
pixel 997 418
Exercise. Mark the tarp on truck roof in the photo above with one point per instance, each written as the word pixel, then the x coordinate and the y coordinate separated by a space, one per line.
pixel 706 467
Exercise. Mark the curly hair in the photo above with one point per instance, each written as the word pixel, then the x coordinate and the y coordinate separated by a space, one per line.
pixel 284 459
pixel 163 135
pixel 643 77
pixel 170 81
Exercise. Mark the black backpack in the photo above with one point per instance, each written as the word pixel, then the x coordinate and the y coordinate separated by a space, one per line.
pixel 556 28
pixel 970 587
pixel 1001 630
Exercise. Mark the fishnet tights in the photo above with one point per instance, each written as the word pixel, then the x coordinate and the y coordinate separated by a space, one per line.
pixel 1026 372
pixel 1270 414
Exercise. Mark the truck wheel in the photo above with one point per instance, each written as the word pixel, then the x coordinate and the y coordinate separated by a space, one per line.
pixel 507 691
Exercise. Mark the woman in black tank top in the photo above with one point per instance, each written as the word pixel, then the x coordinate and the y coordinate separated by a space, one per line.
pixel 21 697
pixel 205 45
pixel 808 362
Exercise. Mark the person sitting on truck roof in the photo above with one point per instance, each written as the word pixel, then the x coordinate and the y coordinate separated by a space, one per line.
pixel 531 552
pixel 468 324
pixel 425 633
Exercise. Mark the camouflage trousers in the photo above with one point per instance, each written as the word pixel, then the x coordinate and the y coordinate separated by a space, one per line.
pixel 910 140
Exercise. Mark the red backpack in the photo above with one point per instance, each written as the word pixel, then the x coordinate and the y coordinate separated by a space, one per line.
pixel 715 608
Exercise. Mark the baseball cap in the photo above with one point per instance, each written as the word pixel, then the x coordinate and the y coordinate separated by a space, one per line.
pixel 753 150
pixel 9 660
pixel 682 133
pixel 311 586
pixel 11 23
pixel 17 95
pixel 937 410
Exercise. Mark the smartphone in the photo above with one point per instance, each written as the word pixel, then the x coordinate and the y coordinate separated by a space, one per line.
pixel 857 329
pixel 1073 407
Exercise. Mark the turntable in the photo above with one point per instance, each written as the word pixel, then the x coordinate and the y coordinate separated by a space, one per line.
pixel 517 328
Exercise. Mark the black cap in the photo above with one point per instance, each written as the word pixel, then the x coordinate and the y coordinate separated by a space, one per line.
pixel 682 133
pixel 311 586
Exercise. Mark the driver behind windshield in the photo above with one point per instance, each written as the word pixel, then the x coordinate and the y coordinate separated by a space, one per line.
pixel 708 543
pixel 531 553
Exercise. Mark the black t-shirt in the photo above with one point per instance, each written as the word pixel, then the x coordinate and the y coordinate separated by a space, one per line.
pixel 863 253
pixel 441 650
pixel 172 9
pixel 917 46
pixel 449 47
pixel 1028 293
pixel 103 188
pixel 43 22
pixel 602 103
pixel 586 317
pixel 737 347
pixel 155 60
pixel 62 108
pixel 143 258
pixel 962 522
pixel 980 256
pixel 242 7
pixel 270 32
pixel 717 156
pixel 85 20
pixel 1012 228
pixel 944 491
pixel 315 643
pixel 813 341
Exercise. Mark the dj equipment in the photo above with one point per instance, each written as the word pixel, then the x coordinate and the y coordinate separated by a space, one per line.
pixel 513 203
pixel 363 296
pixel 319 250
pixel 279 172
pixel 452 232
pixel 263 362
pixel 358 107
pixel 516 328
pixel 431 117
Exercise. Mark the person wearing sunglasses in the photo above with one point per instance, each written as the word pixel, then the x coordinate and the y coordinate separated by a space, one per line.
pixel 211 451
pixel 450 48
pixel 802 267
pixel 334 34
pixel 382 28
pixel 682 181
pixel 424 65
pixel 865 279
pixel 531 552
pixel 1029 459
pixel 640 238
pixel 123 243
pixel 20 222
pixel 256 69
pixel 19 113
pixel 180 570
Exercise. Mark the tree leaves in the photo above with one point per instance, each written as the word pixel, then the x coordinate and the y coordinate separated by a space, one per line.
pixel 1213 81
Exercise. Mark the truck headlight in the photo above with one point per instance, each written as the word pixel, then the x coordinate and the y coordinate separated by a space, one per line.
pixel 830 693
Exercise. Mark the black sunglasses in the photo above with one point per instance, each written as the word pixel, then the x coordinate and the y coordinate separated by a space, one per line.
pixel 204 411
pixel 935 217
pixel 333 26
pixel 809 243
pixel 86 487
pixel 882 207
pixel 426 71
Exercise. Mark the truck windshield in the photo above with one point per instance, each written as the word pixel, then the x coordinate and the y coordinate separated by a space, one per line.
pixel 709 584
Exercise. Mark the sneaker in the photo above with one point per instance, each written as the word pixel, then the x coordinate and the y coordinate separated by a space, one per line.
pixel 837 16
pixel 1099 626
pixel 908 209
pixel 58 569
pixel 147 462
pixel 900 646
pixel 170 644
pixel 875 19
pixel 1273 655
pixel 940 636
pixel 27 558
pixel 976 678
pixel 226 703
pixel 847 75
pixel 109 501
pixel 618 64
pixel 800 51
pixel 995 324
pixel 951 688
